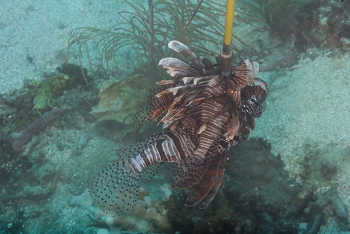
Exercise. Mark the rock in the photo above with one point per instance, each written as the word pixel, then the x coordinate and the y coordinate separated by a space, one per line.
pixel 258 180
pixel 119 99
pixel 328 169
pixel 83 139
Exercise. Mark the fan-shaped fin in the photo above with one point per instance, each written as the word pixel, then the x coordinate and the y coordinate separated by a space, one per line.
pixel 187 174
pixel 218 181
pixel 115 189
pixel 201 190
pixel 150 172
pixel 182 49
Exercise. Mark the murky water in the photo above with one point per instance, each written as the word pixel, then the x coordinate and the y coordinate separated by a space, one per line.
pixel 78 85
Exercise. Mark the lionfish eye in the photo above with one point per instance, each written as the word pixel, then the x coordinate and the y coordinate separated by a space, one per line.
pixel 254 100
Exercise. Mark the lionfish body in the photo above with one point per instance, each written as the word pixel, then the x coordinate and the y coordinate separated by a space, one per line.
pixel 203 116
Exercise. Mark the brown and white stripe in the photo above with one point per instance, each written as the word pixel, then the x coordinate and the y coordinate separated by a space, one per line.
pixel 210 135
pixel 170 147
pixel 213 88
pixel 212 125
pixel 160 105
pixel 210 108
pixel 188 54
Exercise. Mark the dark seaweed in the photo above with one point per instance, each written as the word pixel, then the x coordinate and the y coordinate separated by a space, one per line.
pixel 35 127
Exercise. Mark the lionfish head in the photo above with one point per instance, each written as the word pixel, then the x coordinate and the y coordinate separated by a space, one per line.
pixel 252 96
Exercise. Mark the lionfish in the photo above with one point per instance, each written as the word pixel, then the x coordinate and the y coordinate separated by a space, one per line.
pixel 203 114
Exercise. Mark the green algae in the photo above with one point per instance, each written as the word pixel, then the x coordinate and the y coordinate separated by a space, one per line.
pixel 50 89
pixel 53 86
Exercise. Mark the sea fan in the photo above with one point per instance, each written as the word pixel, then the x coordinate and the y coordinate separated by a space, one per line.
pixel 144 31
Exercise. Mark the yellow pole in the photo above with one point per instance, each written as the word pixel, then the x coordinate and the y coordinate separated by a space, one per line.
pixel 226 53
pixel 230 9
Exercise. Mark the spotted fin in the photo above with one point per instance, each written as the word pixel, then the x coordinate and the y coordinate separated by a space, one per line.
pixel 115 189
pixel 150 172
pixel 155 107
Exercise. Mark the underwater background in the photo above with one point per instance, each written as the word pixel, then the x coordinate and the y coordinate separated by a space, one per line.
pixel 73 74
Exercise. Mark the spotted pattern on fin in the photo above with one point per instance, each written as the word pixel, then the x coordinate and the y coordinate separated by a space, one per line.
pixel 150 172
pixel 115 189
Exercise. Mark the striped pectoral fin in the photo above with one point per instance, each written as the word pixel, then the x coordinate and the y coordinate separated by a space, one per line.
pixel 197 193
pixel 202 150
pixel 152 154
pixel 218 181
pixel 169 147
pixel 209 135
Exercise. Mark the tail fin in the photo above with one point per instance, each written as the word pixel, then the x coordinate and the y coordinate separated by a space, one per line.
pixel 115 189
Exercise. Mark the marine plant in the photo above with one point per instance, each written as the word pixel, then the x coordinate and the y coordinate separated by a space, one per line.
pixel 277 14
pixel 141 36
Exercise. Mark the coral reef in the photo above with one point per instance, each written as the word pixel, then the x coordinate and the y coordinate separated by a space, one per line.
pixel 82 140
pixel 150 214
pixel 52 87
pixel 6 160
pixel 324 28
pixel 259 186
pixel 17 110
pixel 219 217
pixel 33 177
pixel 277 14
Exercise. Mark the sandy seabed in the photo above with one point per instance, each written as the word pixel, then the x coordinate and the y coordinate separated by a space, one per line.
pixel 34 34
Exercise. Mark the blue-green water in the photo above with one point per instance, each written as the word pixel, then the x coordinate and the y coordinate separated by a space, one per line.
pixel 61 124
